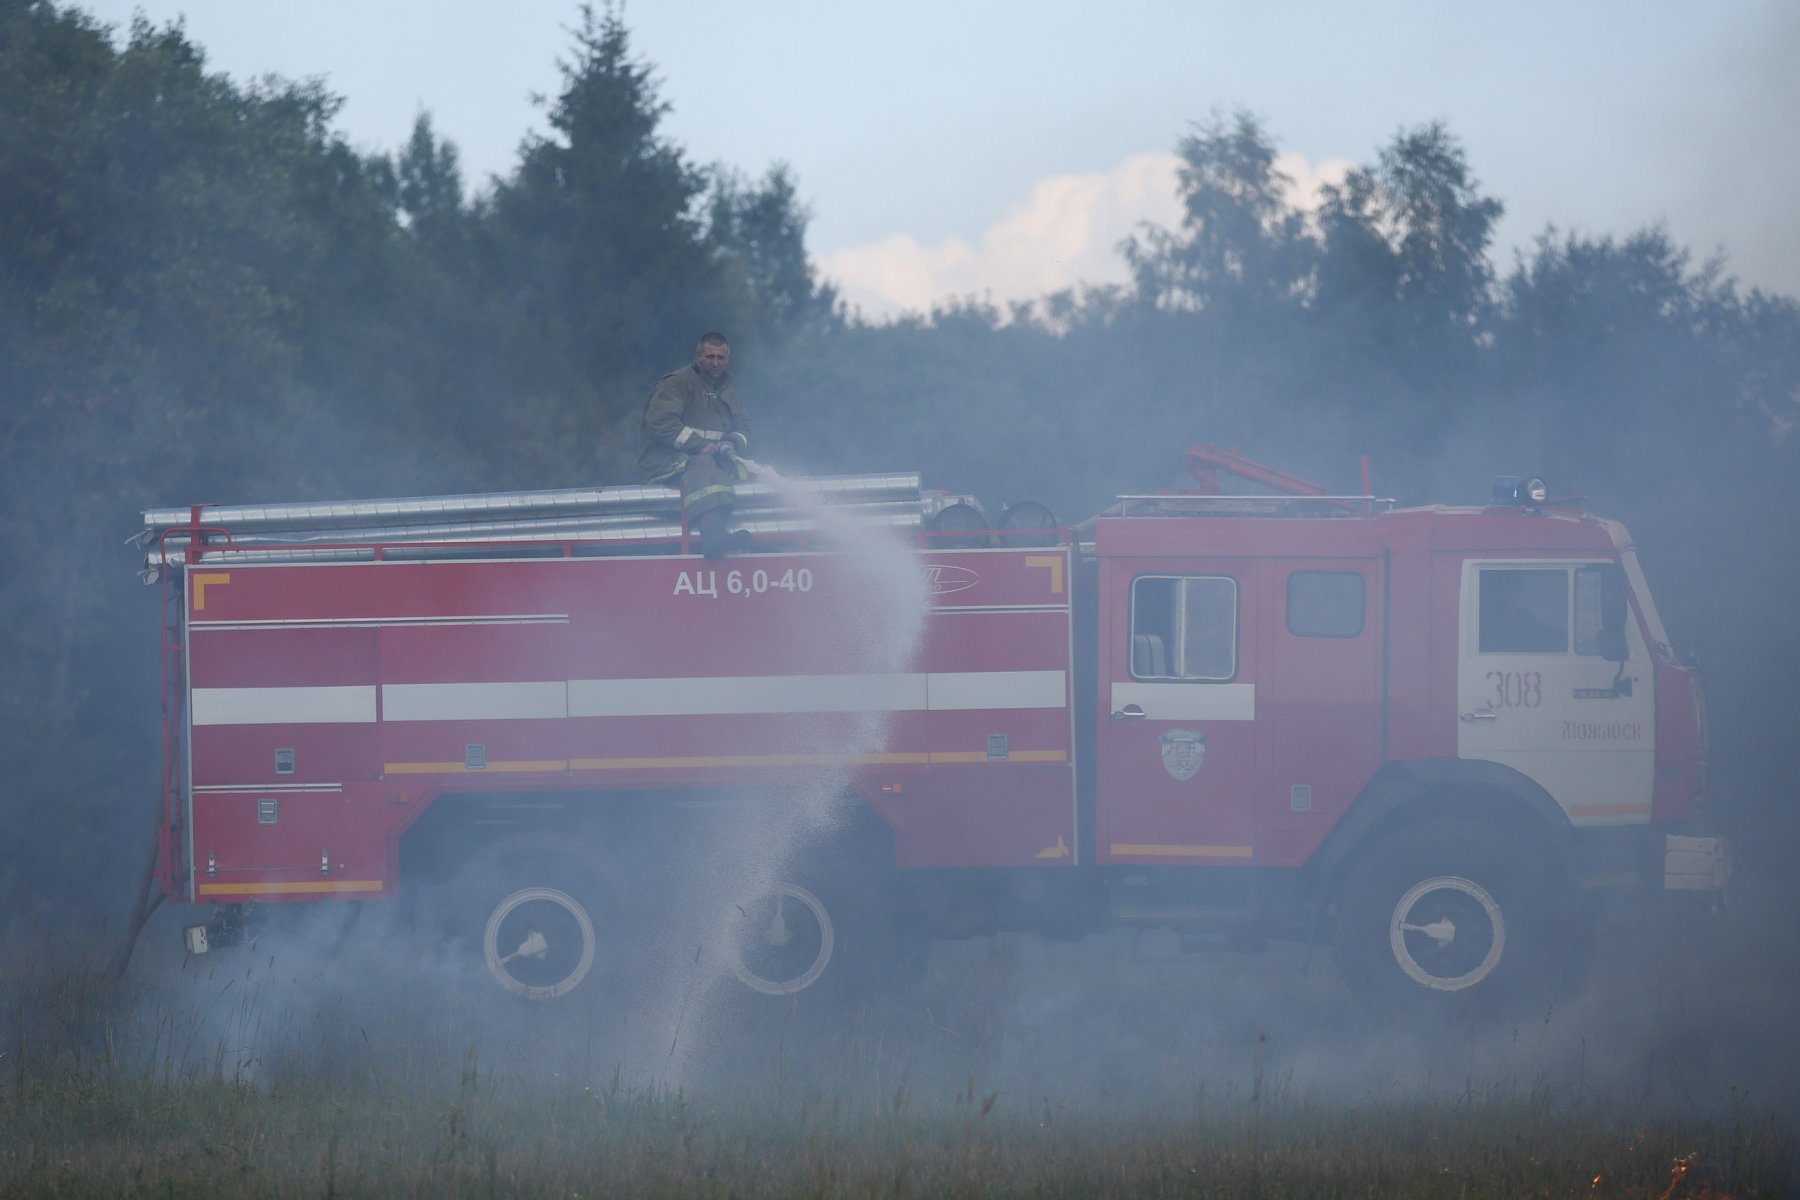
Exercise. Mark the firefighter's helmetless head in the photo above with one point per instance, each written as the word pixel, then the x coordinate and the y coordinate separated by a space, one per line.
pixel 711 355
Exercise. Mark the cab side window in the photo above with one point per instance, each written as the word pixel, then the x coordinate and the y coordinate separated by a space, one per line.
pixel 1325 604
pixel 1524 611
pixel 1184 627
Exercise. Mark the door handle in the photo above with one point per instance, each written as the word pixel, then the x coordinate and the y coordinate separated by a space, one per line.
pixel 1480 714
pixel 1131 712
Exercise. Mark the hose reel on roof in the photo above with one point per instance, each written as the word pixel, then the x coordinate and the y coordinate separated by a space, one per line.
pixel 1028 523
pixel 961 526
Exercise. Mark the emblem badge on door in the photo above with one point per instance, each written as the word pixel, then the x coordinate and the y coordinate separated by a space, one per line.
pixel 1182 750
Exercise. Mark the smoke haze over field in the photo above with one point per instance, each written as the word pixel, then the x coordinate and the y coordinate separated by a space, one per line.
pixel 1084 1031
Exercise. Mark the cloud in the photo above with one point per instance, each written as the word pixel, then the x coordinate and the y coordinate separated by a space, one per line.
pixel 1065 232
pixel 1307 182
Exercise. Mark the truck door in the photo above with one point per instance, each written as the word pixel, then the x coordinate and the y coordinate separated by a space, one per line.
pixel 1538 691
pixel 1177 747
pixel 1320 702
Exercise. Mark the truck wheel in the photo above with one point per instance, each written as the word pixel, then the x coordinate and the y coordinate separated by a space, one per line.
pixel 1452 917
pixel 787 939
pixel 780 940
pixel 535 913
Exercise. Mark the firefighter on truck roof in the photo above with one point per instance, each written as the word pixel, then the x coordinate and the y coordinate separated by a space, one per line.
pixel 695 426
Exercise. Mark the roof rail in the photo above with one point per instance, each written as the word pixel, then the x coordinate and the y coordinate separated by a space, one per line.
pixel 1182 504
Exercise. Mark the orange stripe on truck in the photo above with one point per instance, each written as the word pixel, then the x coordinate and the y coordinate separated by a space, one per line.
pixel 311 887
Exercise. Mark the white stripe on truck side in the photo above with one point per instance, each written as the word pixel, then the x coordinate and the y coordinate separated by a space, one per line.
pixel 939 691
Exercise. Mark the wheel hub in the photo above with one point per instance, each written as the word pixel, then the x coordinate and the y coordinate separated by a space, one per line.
pixel 1424 930
pixel 534 945
pixel 1442 931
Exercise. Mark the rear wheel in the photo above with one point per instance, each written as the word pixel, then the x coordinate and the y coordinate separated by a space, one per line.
pixel 538 915
pixel 781 940
pixel 824 940
pixel 1455 917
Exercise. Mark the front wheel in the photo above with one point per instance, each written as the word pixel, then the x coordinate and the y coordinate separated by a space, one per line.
pixel 1456 917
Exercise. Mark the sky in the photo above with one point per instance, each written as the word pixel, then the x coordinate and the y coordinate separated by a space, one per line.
pixel 1001 149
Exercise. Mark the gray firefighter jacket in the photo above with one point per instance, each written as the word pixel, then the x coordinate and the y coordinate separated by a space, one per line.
pixel 686 410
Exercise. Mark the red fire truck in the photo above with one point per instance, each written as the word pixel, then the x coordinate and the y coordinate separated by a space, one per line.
pixel 1427 736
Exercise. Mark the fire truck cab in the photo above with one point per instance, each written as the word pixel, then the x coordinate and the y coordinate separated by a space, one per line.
pixel 1440 727
pixel 1430 736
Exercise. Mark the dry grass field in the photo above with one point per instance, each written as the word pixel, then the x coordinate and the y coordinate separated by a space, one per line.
pixel 1017 1066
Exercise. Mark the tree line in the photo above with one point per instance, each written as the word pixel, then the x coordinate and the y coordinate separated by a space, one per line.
pixel 207 294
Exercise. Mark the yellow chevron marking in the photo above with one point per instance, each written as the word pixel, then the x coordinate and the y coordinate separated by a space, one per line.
pixel 1055 563
pixel 202 580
